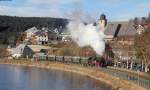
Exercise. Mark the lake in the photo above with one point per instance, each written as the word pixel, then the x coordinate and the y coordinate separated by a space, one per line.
pixel 30 78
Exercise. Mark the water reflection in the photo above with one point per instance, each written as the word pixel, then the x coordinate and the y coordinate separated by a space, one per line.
pixel 25 78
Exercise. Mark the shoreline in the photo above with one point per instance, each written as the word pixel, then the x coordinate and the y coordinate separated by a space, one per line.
pixel 115 82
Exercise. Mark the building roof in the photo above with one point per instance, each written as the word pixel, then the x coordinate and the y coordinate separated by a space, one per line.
pixel 46 33
pixel 19 49
pixel 41 33
pixel 117 29
pixel 110 29
pixel 33 29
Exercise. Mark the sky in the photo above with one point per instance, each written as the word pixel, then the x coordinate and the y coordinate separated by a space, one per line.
pixel 115 10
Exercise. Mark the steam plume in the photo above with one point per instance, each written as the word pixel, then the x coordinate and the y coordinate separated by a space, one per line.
pixel 86 35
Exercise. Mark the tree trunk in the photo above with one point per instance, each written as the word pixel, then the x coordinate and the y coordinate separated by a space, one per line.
pixel 127 63
pixel 146 68
pixel 131 65
pixel 127 60
pixel 142 66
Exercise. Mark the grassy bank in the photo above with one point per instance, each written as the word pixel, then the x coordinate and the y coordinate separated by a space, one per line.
pixel 141 74
pixel 91 72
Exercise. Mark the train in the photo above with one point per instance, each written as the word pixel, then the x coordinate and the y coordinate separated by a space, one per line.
pixel 86 61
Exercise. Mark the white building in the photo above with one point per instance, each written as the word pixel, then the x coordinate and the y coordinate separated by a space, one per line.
pixel 42 37
pixel 31 32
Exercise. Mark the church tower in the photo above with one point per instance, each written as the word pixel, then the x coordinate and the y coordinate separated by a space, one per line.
pixel 102 22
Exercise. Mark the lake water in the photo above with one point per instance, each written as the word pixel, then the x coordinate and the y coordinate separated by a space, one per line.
pixel 30 78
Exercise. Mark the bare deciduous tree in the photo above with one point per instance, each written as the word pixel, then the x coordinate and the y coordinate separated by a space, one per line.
pixel 142 45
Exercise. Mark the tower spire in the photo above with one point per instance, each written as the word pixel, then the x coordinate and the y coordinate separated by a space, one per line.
pixel 102 22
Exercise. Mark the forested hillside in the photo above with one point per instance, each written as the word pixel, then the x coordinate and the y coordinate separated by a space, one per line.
pixel 11 26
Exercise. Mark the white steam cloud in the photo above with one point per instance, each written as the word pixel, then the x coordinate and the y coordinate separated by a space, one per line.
pixel 86 35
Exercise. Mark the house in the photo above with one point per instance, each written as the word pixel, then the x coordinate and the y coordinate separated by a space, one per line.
pixel 65 36
pixel 21 50
pixel 45 37
pixel 31 32
pixel 120 36
pixel 53 36
pixel 42 37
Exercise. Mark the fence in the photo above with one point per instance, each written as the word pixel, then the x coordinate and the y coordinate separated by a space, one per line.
pixel 123 75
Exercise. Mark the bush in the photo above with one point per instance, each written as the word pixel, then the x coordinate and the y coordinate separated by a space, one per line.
pixel 3 52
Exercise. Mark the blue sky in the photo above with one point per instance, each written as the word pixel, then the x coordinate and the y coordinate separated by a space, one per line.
pixel 115 10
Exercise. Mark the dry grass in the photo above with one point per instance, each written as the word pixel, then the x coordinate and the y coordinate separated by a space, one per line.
pixel 71 49
pixel 141 74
